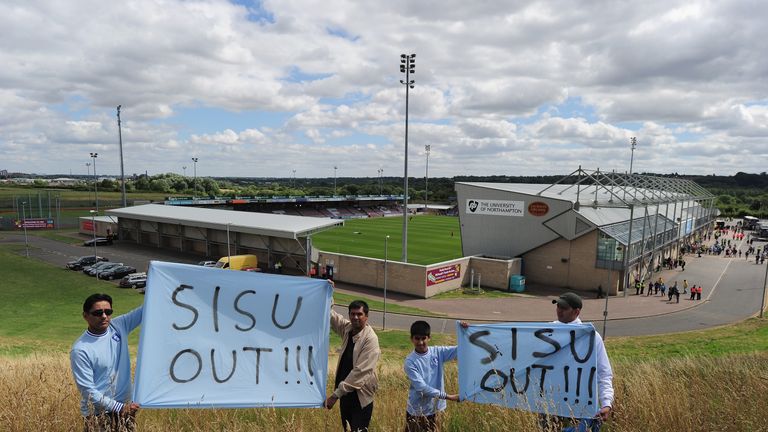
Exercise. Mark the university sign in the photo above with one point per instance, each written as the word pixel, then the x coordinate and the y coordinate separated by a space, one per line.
pixel 495 207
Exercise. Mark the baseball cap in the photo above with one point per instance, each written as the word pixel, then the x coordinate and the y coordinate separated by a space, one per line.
pixel 568 299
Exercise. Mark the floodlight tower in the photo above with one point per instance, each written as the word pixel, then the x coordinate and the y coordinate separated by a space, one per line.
pixel 633 144
pixel 408 67
pixel 334 179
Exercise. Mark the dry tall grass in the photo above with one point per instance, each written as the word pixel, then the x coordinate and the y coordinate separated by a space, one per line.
pixel 681 394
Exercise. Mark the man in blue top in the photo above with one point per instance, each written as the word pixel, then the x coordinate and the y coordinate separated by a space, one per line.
pixel 102 367
pixel 424 368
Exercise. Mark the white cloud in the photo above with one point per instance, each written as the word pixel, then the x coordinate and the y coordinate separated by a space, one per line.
pixel 319 85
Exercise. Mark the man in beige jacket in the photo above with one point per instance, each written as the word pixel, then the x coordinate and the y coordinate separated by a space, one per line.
pixel 356 380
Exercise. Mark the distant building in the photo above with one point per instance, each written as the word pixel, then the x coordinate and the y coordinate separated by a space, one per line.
pixel 576 233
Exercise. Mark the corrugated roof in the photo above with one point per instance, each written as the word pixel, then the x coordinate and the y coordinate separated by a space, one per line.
pixel 608 210
pixel 267 224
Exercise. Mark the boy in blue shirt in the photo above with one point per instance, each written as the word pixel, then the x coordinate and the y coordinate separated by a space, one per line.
pixel 424 368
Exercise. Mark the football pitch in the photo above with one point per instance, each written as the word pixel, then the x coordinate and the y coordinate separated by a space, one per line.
pixel 431 239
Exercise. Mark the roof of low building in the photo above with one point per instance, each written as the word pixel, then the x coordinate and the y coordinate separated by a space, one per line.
pixel 266 224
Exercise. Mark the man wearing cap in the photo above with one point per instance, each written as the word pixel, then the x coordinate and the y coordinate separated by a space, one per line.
pixel 568 309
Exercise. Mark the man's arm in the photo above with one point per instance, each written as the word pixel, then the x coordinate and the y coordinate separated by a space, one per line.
pixel 604 379
pixel 338 322
pixel 129 321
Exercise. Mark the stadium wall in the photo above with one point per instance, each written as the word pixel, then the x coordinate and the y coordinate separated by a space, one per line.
pixel 421 281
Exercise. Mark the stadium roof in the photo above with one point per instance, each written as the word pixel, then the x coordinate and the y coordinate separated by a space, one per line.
pixel 266 224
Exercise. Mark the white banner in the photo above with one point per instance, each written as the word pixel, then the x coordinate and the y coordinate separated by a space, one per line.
pixel 225 338
pixel 495 207
pixel 540 367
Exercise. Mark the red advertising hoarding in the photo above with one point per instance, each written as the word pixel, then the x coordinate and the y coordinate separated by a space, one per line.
pixel 39 223
pixel 443 274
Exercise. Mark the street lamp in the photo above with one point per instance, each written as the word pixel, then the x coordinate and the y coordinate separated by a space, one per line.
pixel 608 293
pixel 184 171
pixel 408 67
pixel 229 252
pixel 88 167
pixel 765 280
pixel 95 180
pixel 194 183
pixel 334 179
pixel 24 224
pixel 122 171
pixel 93 228
pixel 386 249
pixel 427 148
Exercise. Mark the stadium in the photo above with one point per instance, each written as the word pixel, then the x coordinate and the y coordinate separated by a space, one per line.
pixel 588 231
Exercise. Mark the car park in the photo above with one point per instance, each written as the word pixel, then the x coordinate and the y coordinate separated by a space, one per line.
pixel 97 265
pixel 84 261
pixel 135 280
pixel 116 272
pixel 95 270
pixel 100 241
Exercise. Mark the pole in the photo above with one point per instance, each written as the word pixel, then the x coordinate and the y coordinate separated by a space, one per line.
pixel 607 294
pixel 122 170
pixel 334 179
pixel 386 255
pixel 407 65
pixel 427 148
pixel 765 280
pixel 24 225
pixel 95 181
pixel 194 181
pixel 229 252
pixel 93 228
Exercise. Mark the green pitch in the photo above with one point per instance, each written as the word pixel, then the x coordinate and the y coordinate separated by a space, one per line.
pixel 431 239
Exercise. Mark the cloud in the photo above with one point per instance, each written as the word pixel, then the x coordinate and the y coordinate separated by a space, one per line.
pixel 310 84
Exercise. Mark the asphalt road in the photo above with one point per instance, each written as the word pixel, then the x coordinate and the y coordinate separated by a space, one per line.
pixel 733 288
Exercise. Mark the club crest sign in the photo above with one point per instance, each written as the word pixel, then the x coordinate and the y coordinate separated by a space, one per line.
pixel 538 208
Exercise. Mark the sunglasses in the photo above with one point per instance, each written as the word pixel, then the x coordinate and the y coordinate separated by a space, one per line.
pixel 99 312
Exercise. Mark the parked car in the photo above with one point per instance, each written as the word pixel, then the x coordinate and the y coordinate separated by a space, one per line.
pixel 116 272
pixel 98 265
pixel 100 241
pixel 84 261
pixel 207 263
pixel 101 269
pixel 135 280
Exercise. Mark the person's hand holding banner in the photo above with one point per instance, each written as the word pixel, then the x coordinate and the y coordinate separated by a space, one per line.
pixel 221 338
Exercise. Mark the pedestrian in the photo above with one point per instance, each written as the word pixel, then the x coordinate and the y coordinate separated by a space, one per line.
pixel 568 309
pixel 672 290
pixel 650 288
pixel 101 366
pixel 356 379
pixel 693 293
pixel 682 265
pixel 424 369
pixel 663 289
pixel 685 286
pixel 677 294
pixel 600 293
pixel 698 293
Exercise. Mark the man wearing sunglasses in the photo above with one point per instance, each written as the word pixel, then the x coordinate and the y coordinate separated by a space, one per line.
pixel 102 367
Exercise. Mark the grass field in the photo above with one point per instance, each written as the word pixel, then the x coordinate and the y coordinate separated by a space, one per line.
pixel 697 381
pixel 431 239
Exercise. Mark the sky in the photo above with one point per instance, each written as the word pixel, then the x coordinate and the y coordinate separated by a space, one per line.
pixel 297 87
